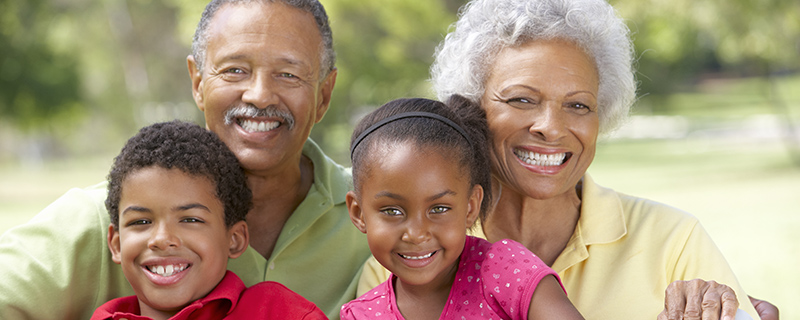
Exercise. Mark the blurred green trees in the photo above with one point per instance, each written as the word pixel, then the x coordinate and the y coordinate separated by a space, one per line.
pixel 83 75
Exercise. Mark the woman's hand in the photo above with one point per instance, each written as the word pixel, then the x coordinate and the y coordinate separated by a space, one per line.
pixel 699 300
pixel 766 310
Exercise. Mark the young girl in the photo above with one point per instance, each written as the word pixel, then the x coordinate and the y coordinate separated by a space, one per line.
pixel 421 179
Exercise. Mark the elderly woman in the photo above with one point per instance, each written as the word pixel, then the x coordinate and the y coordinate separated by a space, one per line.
pixel 551 76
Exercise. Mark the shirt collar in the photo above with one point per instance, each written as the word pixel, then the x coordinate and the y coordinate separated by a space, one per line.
pixel 230 288
pixel 331 180
pixel 602 221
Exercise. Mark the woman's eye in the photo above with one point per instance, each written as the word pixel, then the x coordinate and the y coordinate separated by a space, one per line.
pixel 440 209
pixel 521 103
pixel 392 212
pixel 580 107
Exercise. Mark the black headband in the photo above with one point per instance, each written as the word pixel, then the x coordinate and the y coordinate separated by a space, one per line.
pixel 417 114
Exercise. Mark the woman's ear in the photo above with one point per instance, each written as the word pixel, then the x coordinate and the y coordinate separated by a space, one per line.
pixel 239 239
pixel 474 208
pixel 354 209
pixel 114 244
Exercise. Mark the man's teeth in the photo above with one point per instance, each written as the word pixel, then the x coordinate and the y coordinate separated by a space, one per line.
pixel 168 270
pixel 538 159
pixel 418 257
pixel 258 126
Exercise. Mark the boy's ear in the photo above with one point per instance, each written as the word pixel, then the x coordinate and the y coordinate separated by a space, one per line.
pixel 355 211
pixel 474 208
pixel 239 239
pixel 113 244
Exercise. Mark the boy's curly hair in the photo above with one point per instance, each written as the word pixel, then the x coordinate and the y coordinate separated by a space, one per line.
pixel 190 148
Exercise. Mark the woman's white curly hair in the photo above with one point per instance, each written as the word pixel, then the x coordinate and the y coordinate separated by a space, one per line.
pixel 485 27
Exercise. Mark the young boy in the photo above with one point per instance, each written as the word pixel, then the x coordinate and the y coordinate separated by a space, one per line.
pixel 177 200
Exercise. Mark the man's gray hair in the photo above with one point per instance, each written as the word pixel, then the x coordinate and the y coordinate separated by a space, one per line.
pixel 485 27
pixel 327 59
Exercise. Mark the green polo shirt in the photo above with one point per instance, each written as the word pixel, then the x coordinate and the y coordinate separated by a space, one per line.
pixel 57 266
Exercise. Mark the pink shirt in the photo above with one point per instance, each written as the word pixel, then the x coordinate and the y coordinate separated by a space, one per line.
pixel 493 281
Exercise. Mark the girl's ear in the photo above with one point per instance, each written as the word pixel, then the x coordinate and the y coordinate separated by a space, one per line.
pixel 239 239
pixel 113 244
pixel 474 208
pixel 355 211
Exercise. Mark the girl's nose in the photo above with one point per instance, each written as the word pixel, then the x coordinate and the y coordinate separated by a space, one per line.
pixel 417 230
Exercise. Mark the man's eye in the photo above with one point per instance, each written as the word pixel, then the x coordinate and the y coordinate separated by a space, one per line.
pixel 192 220
pixel 288 75
pixel 234 70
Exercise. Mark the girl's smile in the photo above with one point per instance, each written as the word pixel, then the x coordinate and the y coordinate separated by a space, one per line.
pixel 415 206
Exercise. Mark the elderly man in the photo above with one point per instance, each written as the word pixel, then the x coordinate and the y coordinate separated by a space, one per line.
pixel 262 73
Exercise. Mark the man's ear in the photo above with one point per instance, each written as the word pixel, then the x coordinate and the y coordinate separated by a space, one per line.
pixel 325 93
pixel 239 239
pixel 354 209
pixel 197 82
pixel 113 244
pixel 474 208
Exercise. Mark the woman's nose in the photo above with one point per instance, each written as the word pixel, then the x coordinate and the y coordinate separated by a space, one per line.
pixel 548 122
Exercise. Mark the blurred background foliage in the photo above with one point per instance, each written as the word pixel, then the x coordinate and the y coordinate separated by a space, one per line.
pixel 716 130
pixel 78 76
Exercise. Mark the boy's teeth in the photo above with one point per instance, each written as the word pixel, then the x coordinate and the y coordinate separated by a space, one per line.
pixel 539 159
pixel 417 257
pixel 168 270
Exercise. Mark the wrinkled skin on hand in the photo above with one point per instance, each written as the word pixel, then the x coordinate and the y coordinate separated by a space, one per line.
pixel 699 300
pixel 766 310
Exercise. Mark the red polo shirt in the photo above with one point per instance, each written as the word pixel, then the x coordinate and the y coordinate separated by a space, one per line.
pixel 230 299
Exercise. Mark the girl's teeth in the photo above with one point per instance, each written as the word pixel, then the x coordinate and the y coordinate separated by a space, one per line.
pixel 418 257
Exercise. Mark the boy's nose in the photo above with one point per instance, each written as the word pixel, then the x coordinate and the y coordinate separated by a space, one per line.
pixel 163 238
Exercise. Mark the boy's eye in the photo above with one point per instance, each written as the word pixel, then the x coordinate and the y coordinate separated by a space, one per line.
pixel 192 219
pixel 138 222
pixel 440 209
pixel 392 212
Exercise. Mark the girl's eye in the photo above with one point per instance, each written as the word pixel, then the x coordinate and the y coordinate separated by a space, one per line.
pixel 392 212
pixel 440 209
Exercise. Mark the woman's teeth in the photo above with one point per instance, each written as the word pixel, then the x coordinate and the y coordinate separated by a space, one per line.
pixel 539 159
pixel 168 270
pixel 417 257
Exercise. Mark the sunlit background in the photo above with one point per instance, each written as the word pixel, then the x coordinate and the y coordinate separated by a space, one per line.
pixel 716 130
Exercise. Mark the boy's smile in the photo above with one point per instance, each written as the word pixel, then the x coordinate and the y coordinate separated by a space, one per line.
pixel 415 205
pixel 172 241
